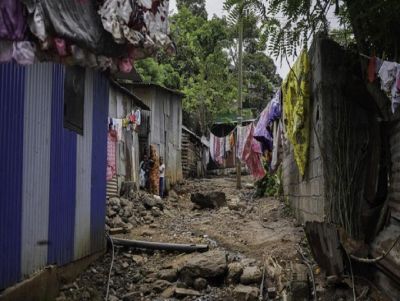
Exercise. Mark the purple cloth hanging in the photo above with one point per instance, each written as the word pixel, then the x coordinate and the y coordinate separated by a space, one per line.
pixel 263 131
pixel 12 20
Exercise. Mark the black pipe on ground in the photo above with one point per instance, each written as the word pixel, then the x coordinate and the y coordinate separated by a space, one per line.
pixel 140 244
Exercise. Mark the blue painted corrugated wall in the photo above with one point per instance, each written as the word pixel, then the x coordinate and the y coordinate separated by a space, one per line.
pixel 99 155
pixel 62 178
pixel 38 215
pixel 12 84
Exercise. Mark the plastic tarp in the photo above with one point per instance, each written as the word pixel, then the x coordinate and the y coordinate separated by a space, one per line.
pixel 76 21
pixel 12 20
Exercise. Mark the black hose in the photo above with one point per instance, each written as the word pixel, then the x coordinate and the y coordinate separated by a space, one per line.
pixel 139 244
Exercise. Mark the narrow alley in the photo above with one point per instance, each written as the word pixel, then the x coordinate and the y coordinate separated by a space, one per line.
pixel 199 150
pixel 254 245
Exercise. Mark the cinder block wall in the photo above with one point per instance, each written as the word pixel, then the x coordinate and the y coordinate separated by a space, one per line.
pixel 335 87
pixel 306 194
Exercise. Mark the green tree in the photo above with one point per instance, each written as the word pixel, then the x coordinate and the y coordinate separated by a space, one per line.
pixel 196 7
pixel 204 68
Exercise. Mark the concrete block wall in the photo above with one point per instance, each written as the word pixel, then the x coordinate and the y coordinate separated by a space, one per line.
pixel 306 195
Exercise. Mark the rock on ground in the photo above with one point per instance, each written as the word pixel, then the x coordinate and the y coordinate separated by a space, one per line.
pixel 182 292
pixel 206 265
pixel 235 270
pixel 251 275
pixel 215 199
pixel 246 293
pixel 168 274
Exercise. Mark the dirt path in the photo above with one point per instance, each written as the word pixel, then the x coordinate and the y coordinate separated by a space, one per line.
pixel 255 227
pixel 247 231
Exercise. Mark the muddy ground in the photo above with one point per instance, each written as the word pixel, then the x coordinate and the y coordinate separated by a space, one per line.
pixel 258 234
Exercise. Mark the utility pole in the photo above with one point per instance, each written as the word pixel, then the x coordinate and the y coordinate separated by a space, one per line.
pixel 240 98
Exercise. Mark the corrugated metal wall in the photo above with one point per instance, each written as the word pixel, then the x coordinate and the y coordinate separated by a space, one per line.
pixel 127 150
pixel 165 127
pixel 12 84
pixel 99 161
pixel 62 178
pixel 83 174
pixel 36 167
pixel 52 205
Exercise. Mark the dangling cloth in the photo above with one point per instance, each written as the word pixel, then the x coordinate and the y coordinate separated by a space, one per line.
pixel 276 159
pixel 212 147
pixel 227 144
pixel 220 150
pixel 389 74
pixel 241 137
pixel 263 131
pixel 252 155
pixel 111 154
pixel 296 105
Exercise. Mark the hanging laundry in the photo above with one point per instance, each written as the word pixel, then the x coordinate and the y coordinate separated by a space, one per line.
pixel 118 127
pixel 219 149
pixel 252 155
pixel 138 117
pixel 212 147
pixel 12 20
pixel 276 159
pixel 296 106
pixel 111 154
pixel 389 75
pixel 263 130
pixel 232 140
pixel 227 144
pixel 242 133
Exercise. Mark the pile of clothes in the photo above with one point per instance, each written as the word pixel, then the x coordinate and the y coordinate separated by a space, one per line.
pixel 109 34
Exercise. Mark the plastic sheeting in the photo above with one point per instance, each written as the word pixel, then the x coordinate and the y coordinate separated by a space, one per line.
pixel 12 20
pixel 141 23
pixel 76 21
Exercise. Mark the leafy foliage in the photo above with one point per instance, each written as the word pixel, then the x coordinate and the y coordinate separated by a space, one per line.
pixel 288 25
pixel 196 7
pixel 270 185
pixel 205 68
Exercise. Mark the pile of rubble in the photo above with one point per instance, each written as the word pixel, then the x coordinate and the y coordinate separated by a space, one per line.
pixel 213 275
pixel 125 213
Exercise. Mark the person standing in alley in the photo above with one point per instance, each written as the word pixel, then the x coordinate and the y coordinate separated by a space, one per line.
pixel 144 173
pixel 154 171
pixel 162 177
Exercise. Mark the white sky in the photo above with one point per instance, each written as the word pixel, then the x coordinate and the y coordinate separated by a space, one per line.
pixel 215 7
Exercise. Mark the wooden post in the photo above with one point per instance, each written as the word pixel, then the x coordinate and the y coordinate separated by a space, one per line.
pixel 240 98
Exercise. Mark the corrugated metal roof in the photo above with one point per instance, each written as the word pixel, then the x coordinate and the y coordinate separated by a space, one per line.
pixel 12 90
pixel 141 84
pixel 137 101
